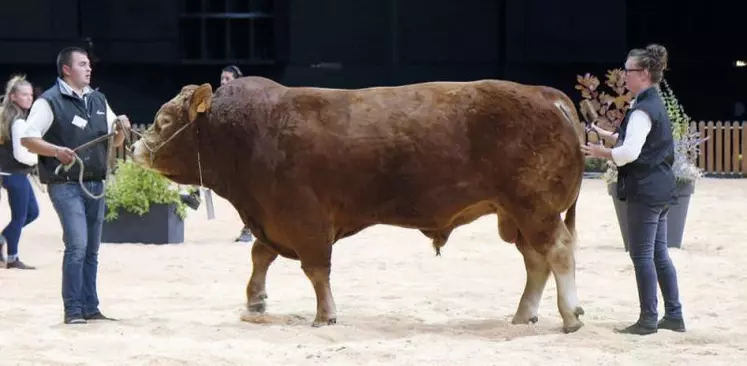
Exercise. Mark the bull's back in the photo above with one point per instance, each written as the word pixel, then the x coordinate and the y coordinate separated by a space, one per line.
pixel 423 152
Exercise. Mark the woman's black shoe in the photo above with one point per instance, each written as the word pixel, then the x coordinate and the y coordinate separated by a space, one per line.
pixel 637 329
pixel 675 325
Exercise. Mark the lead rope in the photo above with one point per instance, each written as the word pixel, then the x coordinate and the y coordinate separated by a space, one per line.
pixel 66 168
pixel 209 207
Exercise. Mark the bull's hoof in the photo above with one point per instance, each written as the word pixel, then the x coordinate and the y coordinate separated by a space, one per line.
pixel 257 308
pixel 577 324
pixel 522 319
pixel 573 327
pixel 321 323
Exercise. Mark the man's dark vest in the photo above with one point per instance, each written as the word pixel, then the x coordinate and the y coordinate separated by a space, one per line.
pixel 8 162
pixel 63 132
pixel 649 178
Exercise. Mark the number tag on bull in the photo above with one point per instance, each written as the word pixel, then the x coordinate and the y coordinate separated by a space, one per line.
pixel 209 203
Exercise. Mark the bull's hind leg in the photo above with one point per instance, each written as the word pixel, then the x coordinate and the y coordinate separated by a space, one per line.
pixel 562 259
pixel 538 271
pixel 550 238
pixel 256 291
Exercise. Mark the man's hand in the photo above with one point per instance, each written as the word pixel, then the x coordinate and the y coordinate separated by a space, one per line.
pixel 64 155
pixel 122 124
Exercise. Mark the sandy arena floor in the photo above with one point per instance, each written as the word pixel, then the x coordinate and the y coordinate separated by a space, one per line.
pixel 397 303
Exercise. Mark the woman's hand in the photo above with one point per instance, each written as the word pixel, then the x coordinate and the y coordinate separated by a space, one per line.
pixel 596 151
pixel 601 131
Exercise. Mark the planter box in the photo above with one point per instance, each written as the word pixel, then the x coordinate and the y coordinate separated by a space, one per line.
pixel 160 225
pixel 676 217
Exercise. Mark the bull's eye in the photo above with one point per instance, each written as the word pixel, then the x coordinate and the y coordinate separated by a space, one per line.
pixel 163 124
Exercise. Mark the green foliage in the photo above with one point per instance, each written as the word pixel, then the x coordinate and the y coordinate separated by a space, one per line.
pixel 687 140
pixel 134 188
pixel 680 120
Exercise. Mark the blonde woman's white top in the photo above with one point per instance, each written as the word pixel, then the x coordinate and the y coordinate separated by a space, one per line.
pixel 22 154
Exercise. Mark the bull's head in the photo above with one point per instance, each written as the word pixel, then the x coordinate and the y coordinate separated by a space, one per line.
pixel 169 146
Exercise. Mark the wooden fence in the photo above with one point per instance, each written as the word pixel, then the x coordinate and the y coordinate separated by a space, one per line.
pixel 724 153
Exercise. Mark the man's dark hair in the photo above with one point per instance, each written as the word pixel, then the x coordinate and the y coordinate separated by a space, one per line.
pixel 65 57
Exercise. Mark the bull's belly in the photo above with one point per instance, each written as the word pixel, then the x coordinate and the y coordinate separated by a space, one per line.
pixel 437 214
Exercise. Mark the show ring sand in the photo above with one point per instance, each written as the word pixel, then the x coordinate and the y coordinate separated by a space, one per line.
pixel 397 303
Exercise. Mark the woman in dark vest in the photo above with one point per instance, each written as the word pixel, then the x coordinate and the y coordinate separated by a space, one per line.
pixel 644 155
pixel 16 162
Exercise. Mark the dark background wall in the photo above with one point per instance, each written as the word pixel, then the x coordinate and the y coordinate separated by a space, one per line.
pixel 144 50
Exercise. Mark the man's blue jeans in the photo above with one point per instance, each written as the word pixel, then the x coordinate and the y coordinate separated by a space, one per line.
pixel 647 233
pixel 82 218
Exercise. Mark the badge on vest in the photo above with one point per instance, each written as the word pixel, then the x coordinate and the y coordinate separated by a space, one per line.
pixel 80 122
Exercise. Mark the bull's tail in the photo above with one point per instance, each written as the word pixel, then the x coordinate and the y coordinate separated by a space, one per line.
pixel 572 119
pixel 570 219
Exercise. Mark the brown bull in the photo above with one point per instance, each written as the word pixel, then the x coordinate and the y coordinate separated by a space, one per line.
pixel 306 167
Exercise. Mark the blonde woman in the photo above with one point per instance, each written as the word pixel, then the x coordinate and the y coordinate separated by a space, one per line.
pixel 16 162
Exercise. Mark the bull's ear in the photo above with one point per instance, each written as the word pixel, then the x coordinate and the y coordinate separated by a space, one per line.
pixel 188 88
pixel 200 101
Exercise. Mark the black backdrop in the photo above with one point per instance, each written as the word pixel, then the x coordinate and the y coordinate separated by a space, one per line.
pixel 144 50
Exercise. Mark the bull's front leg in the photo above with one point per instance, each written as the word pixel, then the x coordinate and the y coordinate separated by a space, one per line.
pixel 256 291
pixel 316 264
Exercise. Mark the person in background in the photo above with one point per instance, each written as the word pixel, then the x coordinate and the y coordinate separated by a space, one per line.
pixel 16 162
pixel 646 181
pixel 227 74
pixel 67 115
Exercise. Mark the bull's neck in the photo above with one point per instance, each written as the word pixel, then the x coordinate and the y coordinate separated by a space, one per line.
pixel 213 162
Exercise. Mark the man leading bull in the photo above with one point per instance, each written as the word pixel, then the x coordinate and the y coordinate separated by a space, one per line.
pixel 65 116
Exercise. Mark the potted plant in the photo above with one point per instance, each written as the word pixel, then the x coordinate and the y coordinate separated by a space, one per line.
pixel 142 207
pixel 686 143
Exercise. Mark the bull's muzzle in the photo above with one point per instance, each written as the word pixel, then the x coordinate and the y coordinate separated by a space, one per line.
pixel 140 153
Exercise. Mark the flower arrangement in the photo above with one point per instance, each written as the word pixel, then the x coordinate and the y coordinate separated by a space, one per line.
pixel 611 109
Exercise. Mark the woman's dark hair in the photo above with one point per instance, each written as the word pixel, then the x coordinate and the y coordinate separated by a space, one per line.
pixel 233 69
pixel 653 58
